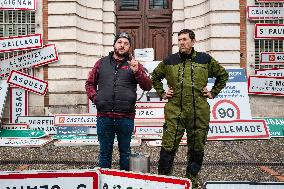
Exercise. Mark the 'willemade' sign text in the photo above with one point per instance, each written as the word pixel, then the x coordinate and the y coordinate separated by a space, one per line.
pixel 27 82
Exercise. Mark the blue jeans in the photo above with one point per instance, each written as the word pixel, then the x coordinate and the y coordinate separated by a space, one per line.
pixel 107 127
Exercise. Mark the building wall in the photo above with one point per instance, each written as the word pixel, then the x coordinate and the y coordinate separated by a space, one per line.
pixel 83 32
pixel 216 25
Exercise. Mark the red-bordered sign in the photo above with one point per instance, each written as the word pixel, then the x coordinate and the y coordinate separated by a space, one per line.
pixel 226 109
pixel 27 82
pixel 269 31
pixel 35 58
pixel 75 119
pixel 265 85
pixel 17 4
pixel 125 179
pixel 273 72
pixel 264 12
pixel 56 179
pixel 148 132
pixel 271 58
pixel 18 104
pixel 238 129
pixel 17 43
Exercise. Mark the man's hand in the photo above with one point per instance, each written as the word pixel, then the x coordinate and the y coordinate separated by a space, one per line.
pixel 169 94
pixel 133 64
pixel 207 93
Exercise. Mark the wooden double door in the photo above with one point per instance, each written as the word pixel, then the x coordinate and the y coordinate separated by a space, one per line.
pixel 149 22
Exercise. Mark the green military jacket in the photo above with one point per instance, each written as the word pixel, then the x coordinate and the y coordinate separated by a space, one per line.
pixel 187 77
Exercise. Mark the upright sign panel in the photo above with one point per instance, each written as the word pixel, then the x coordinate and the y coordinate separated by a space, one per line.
pixel 269 31
pixel 233 101
pixel 3 91
pixel 43 123
pixel 275 125
pixel 272 58
pixel 264 85
pixel 18 104
pixel 18 43
pixel 262 12
pixel 17 5
pixel 50 180
pixel 274 72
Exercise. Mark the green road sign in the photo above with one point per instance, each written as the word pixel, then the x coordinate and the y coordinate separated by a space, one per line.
pixel 275 125
pixel 5 133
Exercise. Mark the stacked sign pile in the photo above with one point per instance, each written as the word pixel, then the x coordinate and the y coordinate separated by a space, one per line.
pixel 13 74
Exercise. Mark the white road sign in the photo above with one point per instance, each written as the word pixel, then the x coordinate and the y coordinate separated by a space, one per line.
pixel 272 58
pixel 146 54
pixel 75 119
pixel 265 85
pixel 148 132
pixel 44 123
pixel 150 113
pixel 3 91
pixel 233 100
pixel 18 104
pixel 269 31
pixel 35 58
pixel 17 5
pixel 263 12
pixel 18 43
pixel 238 129
pixel 27 82
pixel 50 180
pixel 15 126
pixel 19 142
pixel 120 179
pixel 275 72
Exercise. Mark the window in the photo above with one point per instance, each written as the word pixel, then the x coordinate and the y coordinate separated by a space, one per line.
pixel 159 4
pixel 268 45
pixel 16 23
pixel 129 5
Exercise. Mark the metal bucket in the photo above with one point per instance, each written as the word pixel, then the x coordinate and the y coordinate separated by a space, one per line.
pixel 139 163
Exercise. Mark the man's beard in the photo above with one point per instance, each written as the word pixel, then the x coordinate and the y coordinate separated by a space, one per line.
pixel 121 55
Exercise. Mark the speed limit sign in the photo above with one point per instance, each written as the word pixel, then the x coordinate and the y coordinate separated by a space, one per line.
pixel 226 110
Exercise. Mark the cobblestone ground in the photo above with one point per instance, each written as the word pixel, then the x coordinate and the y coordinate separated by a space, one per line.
pixel 233 153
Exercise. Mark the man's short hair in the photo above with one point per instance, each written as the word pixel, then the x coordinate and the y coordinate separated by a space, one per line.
pixel 187 31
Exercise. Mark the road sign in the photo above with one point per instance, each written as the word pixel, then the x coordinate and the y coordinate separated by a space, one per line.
pixel 3 91
pixel 274 72
pixel 75 119
pixel 72 130
pixel 150 113
pixel 27 82
pixel 269 31
pixel 264 12
pixel 129 180
pixel 238 129
pixel 265 85
pixel 43 123
pixel 242 185
pixel 4 133
pixel 35 58
pixel 24 142
pixel 18 104
pixel 17 43
pixel 15 126
pixel 233 101
pixel 17 5
pixel 148 132
pixel 271 58
pixel 75 179
pixel 275 125
pixel 226 110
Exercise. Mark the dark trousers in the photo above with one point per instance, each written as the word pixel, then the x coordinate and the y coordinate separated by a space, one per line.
pixel 107 128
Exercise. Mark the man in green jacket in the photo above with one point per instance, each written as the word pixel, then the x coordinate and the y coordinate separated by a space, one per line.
pixel 187 109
